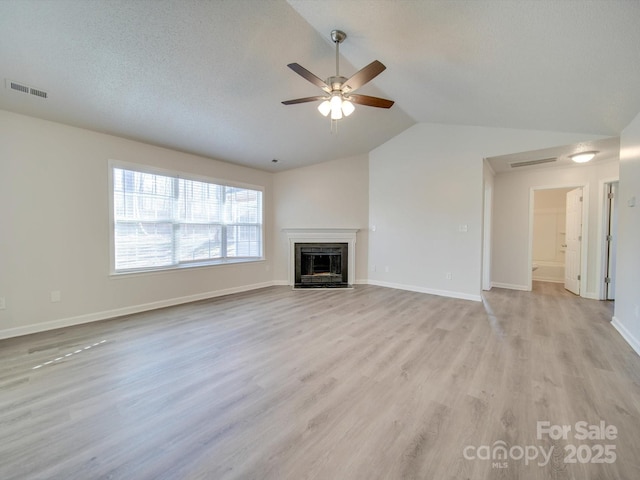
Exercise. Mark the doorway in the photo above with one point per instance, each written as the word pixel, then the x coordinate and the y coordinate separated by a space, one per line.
pixel 557 236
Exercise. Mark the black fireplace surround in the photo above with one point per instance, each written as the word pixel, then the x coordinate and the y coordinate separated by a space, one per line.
pixel 321 265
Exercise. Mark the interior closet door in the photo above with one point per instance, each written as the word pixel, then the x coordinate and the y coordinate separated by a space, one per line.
pixel 573 252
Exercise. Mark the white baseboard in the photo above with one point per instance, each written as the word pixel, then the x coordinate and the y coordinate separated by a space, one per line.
pixel 511 286
pixel 119 312
pixel 430 291
pixel 626 334
pixel 590 295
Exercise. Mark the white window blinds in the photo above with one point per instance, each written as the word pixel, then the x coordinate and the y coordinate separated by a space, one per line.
pixel 163 221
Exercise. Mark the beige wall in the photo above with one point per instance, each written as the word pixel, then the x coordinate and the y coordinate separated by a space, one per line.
pixel 627 310
pixel 425 185
pixel 417 190
pixel 54 220
pixel 549 218
pixel 511 265
pixel 332 194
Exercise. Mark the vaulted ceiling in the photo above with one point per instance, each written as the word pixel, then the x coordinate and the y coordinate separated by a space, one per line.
pixel 208 77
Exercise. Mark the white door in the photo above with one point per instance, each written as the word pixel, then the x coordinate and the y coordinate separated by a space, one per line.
pixel 573 233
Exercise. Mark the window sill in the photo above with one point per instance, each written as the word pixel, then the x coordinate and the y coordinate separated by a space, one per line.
pixel 183 267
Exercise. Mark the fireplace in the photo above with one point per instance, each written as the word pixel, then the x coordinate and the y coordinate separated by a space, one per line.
pixel 321 265
pixel 339 242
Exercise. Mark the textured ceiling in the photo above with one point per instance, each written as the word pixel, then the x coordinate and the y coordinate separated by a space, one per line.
pixel 208 77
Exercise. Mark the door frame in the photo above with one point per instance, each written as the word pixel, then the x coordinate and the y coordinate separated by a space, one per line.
pixel 486 236
pixel 601 253
pixel 584 247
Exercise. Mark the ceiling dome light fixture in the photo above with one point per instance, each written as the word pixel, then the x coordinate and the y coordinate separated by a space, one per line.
pixel 583 157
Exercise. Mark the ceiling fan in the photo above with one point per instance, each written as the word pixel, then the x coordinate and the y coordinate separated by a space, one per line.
pixel 339 97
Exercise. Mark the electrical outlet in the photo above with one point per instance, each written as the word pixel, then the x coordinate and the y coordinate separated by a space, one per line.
pixel 56 296
pixel 374 268
pixel 463 228
pixel 449 276
pixel 386 269
pixel 3 303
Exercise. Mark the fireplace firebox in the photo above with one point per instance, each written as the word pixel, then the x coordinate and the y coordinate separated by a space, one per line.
pixel 321 265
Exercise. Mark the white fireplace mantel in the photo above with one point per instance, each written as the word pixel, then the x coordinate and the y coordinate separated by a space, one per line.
pixel 322 235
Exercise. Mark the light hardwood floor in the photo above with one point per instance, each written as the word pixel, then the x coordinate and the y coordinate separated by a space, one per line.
pixel 371 383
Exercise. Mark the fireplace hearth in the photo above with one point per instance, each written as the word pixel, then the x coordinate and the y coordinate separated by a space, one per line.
pixel 321 265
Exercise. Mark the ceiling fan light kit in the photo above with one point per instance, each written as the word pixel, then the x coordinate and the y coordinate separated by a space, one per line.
pixel 339 99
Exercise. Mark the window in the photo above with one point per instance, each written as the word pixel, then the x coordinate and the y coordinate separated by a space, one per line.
pixel 166 221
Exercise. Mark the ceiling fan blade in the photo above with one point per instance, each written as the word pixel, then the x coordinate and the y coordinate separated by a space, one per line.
pixel 370 101
pixel 363 76
pixel 304 73
pixel 304 100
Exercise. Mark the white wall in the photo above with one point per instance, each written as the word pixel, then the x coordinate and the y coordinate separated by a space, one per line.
pixel 54 221
pixel 417 189
pixel 549 222
pixel 549 225
pixel 332 194
pixel 511 266
pixel 627 306
pixel 424 184
pixel 549 219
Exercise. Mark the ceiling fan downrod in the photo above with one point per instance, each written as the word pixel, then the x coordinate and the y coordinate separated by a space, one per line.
pixel 338 36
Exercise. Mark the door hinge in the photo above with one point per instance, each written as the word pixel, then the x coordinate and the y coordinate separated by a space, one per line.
pixel 579 238
pixel 609 238
pixel 610 195
pixel 607 279
pixel 579 277
pixel 580 198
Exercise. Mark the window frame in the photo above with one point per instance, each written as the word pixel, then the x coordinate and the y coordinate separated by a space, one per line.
pixel 178 175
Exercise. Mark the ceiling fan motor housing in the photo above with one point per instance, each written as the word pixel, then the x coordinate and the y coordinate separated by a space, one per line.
pixel 336 82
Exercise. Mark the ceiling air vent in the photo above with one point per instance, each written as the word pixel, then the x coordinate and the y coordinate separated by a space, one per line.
pixel 38 93
pixel 20 87
pixel 528 163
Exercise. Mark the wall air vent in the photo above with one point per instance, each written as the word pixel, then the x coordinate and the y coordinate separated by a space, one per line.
pixel 529 163
pixel 21 87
